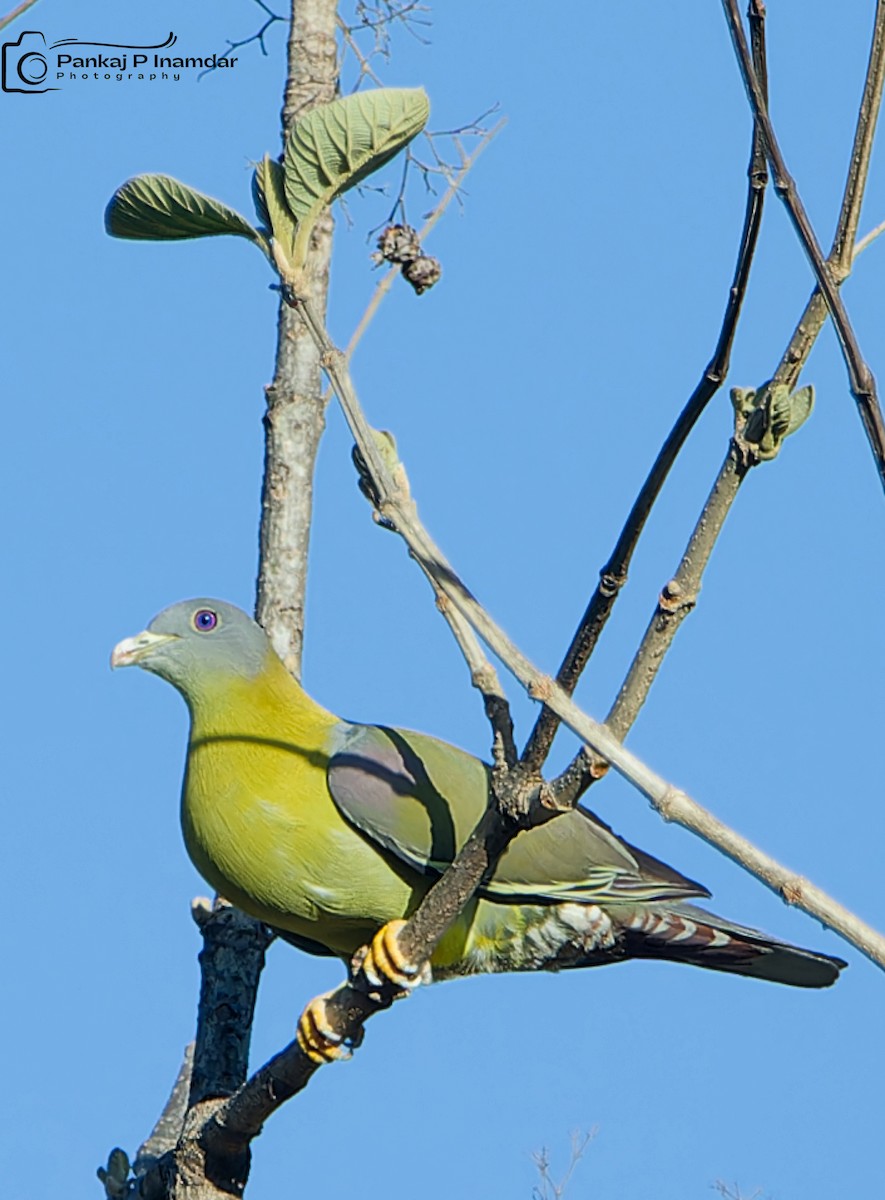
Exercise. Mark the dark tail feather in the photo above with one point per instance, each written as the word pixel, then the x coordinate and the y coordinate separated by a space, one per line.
pixel 685 933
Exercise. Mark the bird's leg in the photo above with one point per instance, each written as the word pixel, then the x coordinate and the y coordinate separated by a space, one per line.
pixel 383 964
pixel 385 969
pixel 316 1037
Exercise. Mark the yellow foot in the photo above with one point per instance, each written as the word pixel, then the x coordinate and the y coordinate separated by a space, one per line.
pixel 316 1037
pixel 385 965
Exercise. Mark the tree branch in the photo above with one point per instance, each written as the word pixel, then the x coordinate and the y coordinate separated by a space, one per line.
pixel 679 595
pixel 385 283
pixel 812 319
pixel 295 416
pixel 16 12
pixel 170 1122
pixel 613 575
pixel 861 379
pixel 207 1163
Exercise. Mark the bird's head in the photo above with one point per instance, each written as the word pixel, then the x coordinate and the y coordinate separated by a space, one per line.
pixel 193 642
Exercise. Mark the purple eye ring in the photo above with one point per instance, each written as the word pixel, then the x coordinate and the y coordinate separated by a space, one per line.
pixel 205 620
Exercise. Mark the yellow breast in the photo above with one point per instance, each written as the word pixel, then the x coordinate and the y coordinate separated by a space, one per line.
pixel 261 827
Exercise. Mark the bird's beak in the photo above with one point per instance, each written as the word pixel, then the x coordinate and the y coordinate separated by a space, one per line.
pixel 133 649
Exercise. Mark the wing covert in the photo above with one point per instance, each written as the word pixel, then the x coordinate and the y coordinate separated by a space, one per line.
pixel 421 799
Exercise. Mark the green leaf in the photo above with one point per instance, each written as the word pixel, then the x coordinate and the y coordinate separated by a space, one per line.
pixel 160 208
pixel 258 187
pixel 765 417
pixel 335 146
pixel 801 404
pixel 269 192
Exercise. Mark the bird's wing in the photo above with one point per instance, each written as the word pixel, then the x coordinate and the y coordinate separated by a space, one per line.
pixel 421 799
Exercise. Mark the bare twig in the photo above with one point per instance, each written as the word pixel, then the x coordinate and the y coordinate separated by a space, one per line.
pixel 677 599
pixel 679 595
pixel 483 675
pixel 484 678
pixel 868 238
pixel 549 1189
pixel 812 319
pixel 613 575
pixel 366 70
pixel 861 379
pixel 733 1192
pixel 378 21
pixel 384 284
pixel 16 12
pixel 258 36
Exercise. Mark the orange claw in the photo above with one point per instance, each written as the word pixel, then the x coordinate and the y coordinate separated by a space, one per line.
pixel 316 1037
pixel 385 963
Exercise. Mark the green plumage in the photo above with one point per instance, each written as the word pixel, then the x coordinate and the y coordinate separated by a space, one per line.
pixel 328 830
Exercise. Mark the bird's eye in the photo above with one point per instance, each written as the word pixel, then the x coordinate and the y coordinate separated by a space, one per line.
pixel 205 620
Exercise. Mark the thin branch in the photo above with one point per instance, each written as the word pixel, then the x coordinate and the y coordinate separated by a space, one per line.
pixel 613 575
pixel 678 596
pixel 483 675
pixel 16 12
pixel 812 320
pixel 549 1189
pixel 861 379
pixel 258 36
pixel 366 71
pixel 378 21
pixel 384 284
pixel 868 238
pixel 676 601
pixel 844 250
pixel 484 678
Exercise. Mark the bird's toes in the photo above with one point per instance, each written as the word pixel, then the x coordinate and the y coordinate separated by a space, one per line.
pixel 316 1037
pixel 385 965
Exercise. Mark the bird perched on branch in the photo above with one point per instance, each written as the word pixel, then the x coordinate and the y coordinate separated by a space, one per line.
pixel 333 832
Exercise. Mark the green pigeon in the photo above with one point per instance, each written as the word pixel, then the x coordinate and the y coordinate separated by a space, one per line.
pixel 331 831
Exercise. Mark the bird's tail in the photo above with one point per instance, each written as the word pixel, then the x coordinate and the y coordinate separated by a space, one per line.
pixel 685 933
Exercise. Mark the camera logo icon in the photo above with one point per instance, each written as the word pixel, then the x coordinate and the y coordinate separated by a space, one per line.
pixel 24 67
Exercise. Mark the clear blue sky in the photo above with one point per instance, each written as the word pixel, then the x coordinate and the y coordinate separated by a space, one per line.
pixel 582 292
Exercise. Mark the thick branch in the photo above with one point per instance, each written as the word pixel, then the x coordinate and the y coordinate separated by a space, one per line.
pixel 231 963
pixel 295 415
pixel 208 1162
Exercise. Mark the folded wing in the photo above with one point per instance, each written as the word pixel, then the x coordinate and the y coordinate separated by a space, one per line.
pixel 421 798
